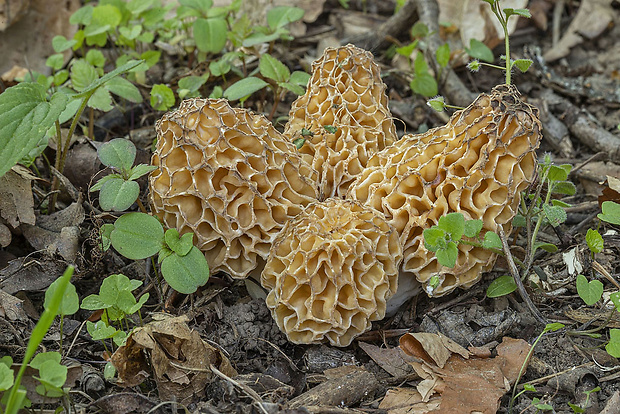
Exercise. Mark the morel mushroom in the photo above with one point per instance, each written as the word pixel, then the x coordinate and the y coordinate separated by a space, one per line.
pixel 231 178
pixel 477 164
pixel 331 271
pixel 343 116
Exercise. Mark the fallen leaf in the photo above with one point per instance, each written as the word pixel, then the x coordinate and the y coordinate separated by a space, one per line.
pixel 11 308
pixel 407 401
pixel 16 202
pixel 30 275
pixel 611 191
pixel 591 20
pixel 390 359
pixel 431 347
pixel 5 235
pixel 180 359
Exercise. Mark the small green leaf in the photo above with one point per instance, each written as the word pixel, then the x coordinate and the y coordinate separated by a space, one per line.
pixel 564 187
pixel 102 80
pixel 132 32
pixel 6 377
pixel 192 83
pixel 70 300
pixel 407 50
pixel 548 247
pixel 479 50
pixel 61 43
pixel 590 292
pixel 555 215
pixel 95 58
pixel 109 371
pixel 438 103
pixel 523 64
pixel 186 273
pixel 558 172
pixel 453 224
pixel 492 241
pixel 420 67
pixel 281 16
pixel 615 299
pixel 553 327
pixel 105 232
pixel 613 346
pixel 151 57
pixel 447 257
pixel 296 89
pixel 179 245
pixel 55 61
pixel 474 65
pixel 473 228
pixel 424 84
pixel 272 68
pixel 140 170
pixel 100 330
pixel 560 203
pixel 443 55
pixel 434 239
pixel 52 376
pixel 501 286
pixel 119 153
pixel 137 235
pixel 330 128
pixel 594 241
pixel 210 34
pixel 244 88
pixel 118 194
pixel 97 186
pixel 519 12
pixel 162 97
pixel 299 142
pixel 299 78
pixel 82 16
pixel 125 89
pixel 106 15
pixel 94 302
pixel 611 211
pixel 529 387
pixel 419 29
pixel 43 357
pixel 219 67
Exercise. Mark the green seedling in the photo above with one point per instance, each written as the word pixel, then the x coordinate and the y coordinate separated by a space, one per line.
pixel 591 292
pixel 119 190
pixel 611 213
pixel 577 409
pixel 52 374
pixel 69 305
pixel 139 236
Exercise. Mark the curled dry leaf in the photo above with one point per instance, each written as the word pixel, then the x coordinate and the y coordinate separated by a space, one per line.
pixel 179 357
pixel 16 201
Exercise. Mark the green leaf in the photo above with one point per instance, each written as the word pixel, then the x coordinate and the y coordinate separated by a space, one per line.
pixel 519 221
pixel 100 330
pixel 330 128
pixel 611 210
pixel 137 235
pixel 479 50
pixel 558 172
pixel 519 12
pixel 613 346
pixel 553 327
pixel 109 371
pixel 162 97
pixel 419 29
pixel 106 15
pixel 548 247
pixel 424 84
pixel 407 50
pixel 52 376
pixel 94 302
pixel 492 241
pixel 453 224
pixel 244 88
pixel 219 67
pixel 296 89
pixel 95 58
pixel 272 68
pixel 101 100
pixel 139 170
pixel 97 186
pixel 43 357
pixel 555 215
pixel 299 78
pixel 501 286
pixel 420 67
pixel 560 203
pixel 200 5
pixel 136 7
pixel 523 64
pixel 130 32
pixel 55 61
pixel 82 15
pixel 210 34
pixel 26 118
pixel 594 241
pixel 443 55
pixel 281 16
pixel 299 142
pixel 437 103
pixel 61 43
pixel 179 245
pixel 186 273
pixel 6 377
pixel 591 292
pixel 125 89
pixel 105 232
pixel 447 257
pixel 473 227
pixel 116 290
pixel 576 409
pixel 118 195
pixel 102 80
pixel 192 83
pixel 119 153
pixel 564 187
pixel 434 239
pixel 151 57
pixel 70 300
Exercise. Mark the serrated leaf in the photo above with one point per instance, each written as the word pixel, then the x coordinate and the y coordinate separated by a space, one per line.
pixel 101 100
pixel 272 68
pixel 119 153
pixel 244 88
pixel 434 239
pixel 83 74
pixel 210 34
pixel 447 256
pixel 473 227
pixel 557 173
pixel 453 224
pixel 443 55
pixel 591 292
pixel 501 286
pixel 186 274
pixel 479 50
pixel 594 241
pixel 555 215
pixel 137 236
pixel 611 211
pixel 26 118
pixel 492 241
pixel 118 194
pixel 280 16
pixel 125 89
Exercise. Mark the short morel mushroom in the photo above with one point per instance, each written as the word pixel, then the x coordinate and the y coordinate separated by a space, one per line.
pixel 343 116
pixel 331 271
pixel 477 165
pixel 231 178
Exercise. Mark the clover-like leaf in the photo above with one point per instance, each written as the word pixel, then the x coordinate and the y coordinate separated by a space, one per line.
pixel 492 241
pixel 181 245
pixel 186 273
pixel 473 227
pixel 591 292
pixel 453 224
pixel 448 255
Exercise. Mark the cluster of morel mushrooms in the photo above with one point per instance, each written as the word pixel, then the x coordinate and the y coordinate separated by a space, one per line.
pixel 331 230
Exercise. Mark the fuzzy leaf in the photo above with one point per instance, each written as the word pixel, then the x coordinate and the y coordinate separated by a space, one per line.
pixel 473 227
pixel 492 241
pixel 447 257
pixel 594 241
pixel 119 153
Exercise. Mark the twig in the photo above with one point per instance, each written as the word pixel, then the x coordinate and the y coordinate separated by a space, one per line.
pixel 247 390
pixel 515 275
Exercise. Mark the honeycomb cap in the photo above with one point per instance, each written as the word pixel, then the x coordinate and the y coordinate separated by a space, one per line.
pixel 231 178
pixel 345 108
pixel 331 271
pixel 477 165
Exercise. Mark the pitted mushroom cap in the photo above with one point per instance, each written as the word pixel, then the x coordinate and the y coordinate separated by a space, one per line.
pixel 331 271
pixel 477 164
pixel 231 178
pixel 345 92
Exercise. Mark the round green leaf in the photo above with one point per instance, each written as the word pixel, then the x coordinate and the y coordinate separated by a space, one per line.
pixel 473 227
pixel 280 16
pixel 424 84
pixel 501 286
pixel 492 241
pixel 611 212
pixel 118 195
pixel 162 97
pixel 185 273
pixel 137 235
pixel 590 292
pixel 613 347
pixel 6 377
pixel 594 241
pixel 70 300
pixel 434 239
pixel 181 245
pixel 447 257
pixel 555 214
pixel 119 153
pixel 479 50
pixel 244 87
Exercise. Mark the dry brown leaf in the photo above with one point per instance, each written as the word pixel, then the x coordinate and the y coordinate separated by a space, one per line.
pixel 407 401
pixel 428 345
pixel 591 20
pixel 11 308
pixel 611 191
pixel 179 357
pixel 390 359
pixel 16 202
pixel 5 235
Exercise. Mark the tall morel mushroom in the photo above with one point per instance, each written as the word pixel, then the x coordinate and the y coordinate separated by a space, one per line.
pixel 231 178
pixel 477 165
pixel 331 271
pixel 343 116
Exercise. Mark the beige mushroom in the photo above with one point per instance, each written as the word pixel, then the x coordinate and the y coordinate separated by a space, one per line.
pixel 331 271
pixel 231 178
